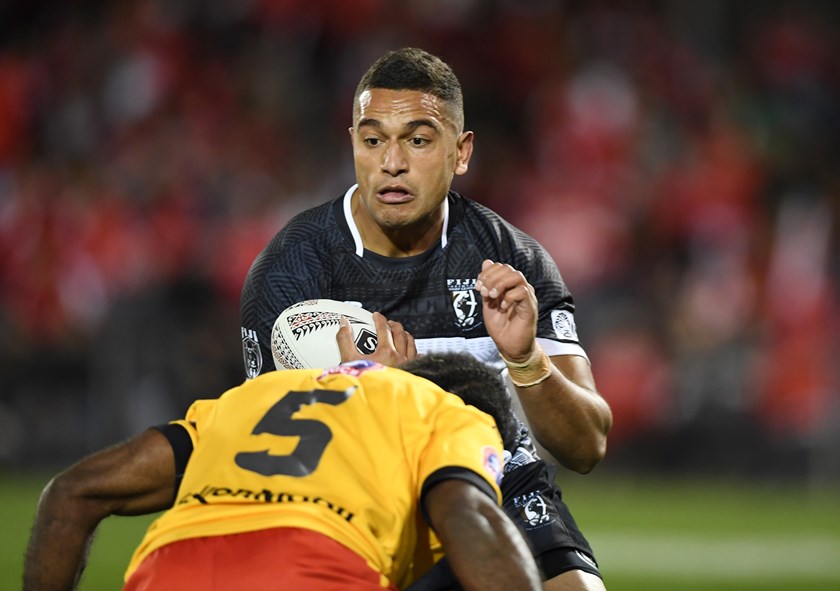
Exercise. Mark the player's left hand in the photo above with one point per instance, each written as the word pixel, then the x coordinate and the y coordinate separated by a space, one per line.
pixel 395 345
pixel 510 309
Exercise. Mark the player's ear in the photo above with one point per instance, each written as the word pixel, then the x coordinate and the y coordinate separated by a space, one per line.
pixel 464 147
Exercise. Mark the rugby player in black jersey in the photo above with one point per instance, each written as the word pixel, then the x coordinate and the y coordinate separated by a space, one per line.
pixel 445 273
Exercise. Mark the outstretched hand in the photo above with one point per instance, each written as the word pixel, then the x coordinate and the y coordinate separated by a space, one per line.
pixel 510 309
pixel 395 345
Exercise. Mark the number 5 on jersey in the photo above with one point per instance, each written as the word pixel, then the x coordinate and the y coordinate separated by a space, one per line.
pixel 314 435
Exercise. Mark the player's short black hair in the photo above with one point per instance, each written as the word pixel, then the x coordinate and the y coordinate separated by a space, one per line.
pixel 411 68
pixel 476 383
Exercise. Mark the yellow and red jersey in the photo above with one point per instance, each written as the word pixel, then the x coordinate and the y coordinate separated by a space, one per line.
pixel 346 453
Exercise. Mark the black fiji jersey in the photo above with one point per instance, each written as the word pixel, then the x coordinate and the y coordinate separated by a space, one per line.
pixel 319 254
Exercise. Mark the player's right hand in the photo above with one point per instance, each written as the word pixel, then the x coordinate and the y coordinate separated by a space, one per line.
pixel 395 345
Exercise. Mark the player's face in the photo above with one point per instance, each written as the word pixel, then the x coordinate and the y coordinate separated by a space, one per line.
pixel 407 147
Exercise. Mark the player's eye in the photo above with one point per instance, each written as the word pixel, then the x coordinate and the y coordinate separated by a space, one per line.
pixel 372 141
pixel 418 141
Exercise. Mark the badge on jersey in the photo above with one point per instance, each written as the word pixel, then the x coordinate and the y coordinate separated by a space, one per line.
pixel 352 368
pixel 563 323
pixel 534 511
pixel 251 353
pixel 493 463
pixel 466 302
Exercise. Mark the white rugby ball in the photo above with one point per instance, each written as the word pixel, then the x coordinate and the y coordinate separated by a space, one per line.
pixel 303 335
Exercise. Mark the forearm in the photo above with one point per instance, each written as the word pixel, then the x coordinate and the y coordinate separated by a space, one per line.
pixel 558 395
pixel 475 555
pixel 133 478
pixel 59 541
pixel 485 550
pixel 567 415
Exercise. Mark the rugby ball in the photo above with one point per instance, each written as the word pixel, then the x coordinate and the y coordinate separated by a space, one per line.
pixel 303 335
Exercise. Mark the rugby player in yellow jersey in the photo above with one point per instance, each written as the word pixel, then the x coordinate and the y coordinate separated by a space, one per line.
pixel 316 480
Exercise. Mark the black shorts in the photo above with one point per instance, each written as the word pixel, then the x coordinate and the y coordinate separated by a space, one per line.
pixel 535 504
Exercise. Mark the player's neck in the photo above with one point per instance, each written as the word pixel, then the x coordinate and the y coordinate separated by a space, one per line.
pixel 398 241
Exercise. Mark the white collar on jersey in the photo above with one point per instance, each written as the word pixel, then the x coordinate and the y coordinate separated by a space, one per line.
pixel 354 230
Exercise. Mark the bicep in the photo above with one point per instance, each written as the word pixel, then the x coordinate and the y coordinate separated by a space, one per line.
pixel 133 478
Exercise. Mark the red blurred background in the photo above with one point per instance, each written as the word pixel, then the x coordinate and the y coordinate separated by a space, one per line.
pixel 678 159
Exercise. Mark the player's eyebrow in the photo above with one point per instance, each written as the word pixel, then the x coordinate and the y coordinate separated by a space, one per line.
pixel 368 122
pixel 410 126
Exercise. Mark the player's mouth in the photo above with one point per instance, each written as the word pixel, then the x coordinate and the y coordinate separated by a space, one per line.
pixel 394 194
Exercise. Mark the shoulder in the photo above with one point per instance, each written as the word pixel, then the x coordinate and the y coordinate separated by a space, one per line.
pixel 308 234
pixel 310 226
pixel 496 236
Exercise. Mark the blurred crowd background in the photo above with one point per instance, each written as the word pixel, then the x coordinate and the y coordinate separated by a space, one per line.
pixel 680 160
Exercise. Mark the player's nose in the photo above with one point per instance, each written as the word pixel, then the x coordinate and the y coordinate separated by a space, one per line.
pixel 394 161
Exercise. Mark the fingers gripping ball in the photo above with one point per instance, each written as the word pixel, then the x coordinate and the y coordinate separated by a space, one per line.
pixel 303 335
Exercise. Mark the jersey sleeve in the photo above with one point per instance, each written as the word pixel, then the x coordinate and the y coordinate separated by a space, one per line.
pixel 274 282
pixel 182 435
pixel 182 448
